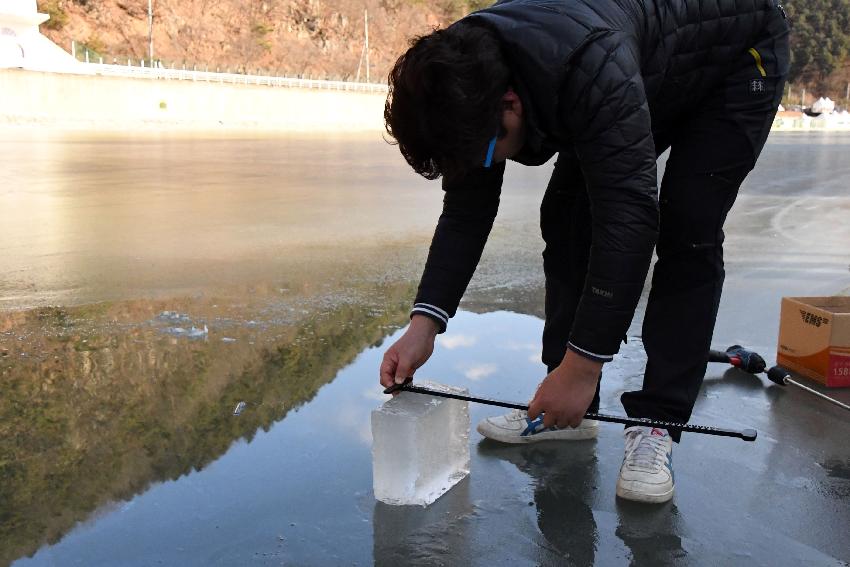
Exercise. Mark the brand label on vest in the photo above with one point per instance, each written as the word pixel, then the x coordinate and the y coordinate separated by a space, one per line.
pixel 602 292
pixel 757 86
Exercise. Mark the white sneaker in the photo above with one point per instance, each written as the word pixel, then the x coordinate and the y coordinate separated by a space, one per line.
pixel 517 427
pixel 646 474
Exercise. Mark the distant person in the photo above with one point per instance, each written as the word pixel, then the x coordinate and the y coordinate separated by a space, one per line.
pixel 607 85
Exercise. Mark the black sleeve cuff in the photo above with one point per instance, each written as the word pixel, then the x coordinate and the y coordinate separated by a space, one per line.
pixel 433 312
pixel 591 355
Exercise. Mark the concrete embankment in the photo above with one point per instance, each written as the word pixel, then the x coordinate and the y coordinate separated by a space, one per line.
pixel 116 103
pixel 96 102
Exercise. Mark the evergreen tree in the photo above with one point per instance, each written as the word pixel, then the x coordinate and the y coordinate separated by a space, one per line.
pixel 820 38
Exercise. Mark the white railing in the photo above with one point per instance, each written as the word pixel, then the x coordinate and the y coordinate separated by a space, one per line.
pixel 176 74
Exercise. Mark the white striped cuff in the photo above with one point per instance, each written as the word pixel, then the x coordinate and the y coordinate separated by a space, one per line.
pixel 590 355
pixel 432 311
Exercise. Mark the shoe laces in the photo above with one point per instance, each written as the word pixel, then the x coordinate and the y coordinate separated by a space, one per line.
pixel 645 451
pixel 517 414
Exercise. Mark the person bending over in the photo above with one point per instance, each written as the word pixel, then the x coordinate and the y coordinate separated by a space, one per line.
pixel 607 85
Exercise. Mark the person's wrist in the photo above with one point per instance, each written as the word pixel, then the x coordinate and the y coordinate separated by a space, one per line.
pixel 582 367
pixel 424 324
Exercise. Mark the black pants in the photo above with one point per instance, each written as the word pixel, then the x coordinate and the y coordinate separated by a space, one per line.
pixel 712 149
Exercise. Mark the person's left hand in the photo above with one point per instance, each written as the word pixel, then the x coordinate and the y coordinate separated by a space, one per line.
pixel 565 394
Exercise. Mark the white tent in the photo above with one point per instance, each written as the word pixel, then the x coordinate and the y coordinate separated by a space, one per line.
pixel 823 106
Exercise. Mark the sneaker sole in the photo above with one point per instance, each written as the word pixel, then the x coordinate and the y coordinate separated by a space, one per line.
pixel 563 435
pixel 627 494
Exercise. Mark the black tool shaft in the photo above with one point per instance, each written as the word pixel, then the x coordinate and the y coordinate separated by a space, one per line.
pixel 745 434
pixel 718 356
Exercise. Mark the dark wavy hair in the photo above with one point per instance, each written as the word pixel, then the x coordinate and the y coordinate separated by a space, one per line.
pixel 444 99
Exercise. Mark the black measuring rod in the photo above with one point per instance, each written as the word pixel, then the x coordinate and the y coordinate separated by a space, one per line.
pixel 745 434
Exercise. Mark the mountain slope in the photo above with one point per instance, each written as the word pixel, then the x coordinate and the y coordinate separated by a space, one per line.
pixel 309 37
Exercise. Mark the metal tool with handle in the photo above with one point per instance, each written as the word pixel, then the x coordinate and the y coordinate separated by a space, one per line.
pixel 779 375
pixel 750 361
pixel 745 434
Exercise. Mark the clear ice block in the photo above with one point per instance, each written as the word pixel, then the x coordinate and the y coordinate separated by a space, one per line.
pixel 420 446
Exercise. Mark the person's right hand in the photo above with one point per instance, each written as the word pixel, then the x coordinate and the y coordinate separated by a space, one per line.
pixel 409 352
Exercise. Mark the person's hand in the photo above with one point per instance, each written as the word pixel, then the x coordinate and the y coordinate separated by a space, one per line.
pixel 565 394
pixel 409 352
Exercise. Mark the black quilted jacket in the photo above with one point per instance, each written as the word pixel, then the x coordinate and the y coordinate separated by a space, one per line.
pixel 597 78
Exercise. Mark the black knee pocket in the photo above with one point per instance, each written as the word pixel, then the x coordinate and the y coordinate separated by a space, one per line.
pixel 693 210
pixel 688 245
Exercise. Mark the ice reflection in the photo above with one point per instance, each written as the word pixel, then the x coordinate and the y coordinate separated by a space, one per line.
pixel 564 478
pixel 452 341
pixel 99 403
pixel 438 534
pixel 480 371
pixel 653 534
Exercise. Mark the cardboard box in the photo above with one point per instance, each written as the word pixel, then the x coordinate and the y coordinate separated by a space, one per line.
pixel 814 338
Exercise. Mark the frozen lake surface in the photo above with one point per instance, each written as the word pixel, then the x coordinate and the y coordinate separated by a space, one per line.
pixel 118 439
